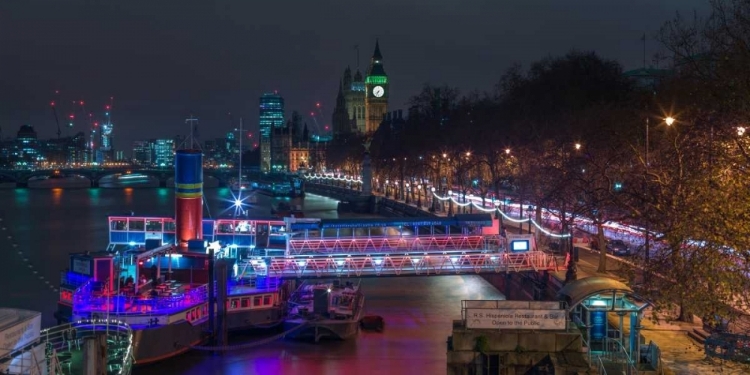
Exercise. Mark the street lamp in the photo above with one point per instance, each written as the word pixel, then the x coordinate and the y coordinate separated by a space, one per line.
pixel 408 190
pixel 669 120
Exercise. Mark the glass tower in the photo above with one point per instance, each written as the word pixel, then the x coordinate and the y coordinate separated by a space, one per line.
pixel 271 116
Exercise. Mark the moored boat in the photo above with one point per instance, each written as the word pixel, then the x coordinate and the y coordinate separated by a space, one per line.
pixel 326 309
pixel 168 278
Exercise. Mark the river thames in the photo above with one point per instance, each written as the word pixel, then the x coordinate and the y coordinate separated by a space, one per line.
pixel 49 223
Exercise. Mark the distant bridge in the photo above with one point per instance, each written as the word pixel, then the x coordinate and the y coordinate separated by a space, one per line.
pixel 22 177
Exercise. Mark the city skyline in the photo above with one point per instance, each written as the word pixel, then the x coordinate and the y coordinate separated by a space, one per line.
pixel 210 61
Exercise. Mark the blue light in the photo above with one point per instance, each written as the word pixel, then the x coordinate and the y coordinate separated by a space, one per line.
pixel 131 243
pixel 238 203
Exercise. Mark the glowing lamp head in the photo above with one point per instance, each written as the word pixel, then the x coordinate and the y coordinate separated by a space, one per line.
pixel 237 203
pixel 669 120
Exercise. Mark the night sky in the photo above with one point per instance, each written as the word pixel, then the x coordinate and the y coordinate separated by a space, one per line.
pixel 162 60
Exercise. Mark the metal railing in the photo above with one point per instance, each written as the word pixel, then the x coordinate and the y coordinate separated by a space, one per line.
pixel 402 264
pixel 52 352
pixel 615 353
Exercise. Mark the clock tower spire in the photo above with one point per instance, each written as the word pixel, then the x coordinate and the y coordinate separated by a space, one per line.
pixel 376 91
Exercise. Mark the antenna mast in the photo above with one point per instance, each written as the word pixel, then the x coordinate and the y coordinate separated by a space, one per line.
pixel 193 137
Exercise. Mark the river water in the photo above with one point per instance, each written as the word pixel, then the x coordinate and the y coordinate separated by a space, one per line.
pixel 48 223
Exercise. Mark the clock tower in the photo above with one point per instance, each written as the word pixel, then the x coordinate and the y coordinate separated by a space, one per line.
pixel 376 92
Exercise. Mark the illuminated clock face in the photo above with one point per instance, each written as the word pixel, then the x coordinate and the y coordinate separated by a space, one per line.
pixel 378 91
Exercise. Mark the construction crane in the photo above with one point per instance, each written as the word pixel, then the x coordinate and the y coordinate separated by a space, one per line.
pixel 57 120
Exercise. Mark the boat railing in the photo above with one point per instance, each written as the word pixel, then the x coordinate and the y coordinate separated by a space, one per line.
pixel 73 279
pixel 86 302
pixel 258 282
pixel 54 351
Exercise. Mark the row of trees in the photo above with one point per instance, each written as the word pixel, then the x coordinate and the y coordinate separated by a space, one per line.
pixel 574 134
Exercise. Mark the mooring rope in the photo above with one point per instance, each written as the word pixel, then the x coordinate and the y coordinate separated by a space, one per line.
pixel 227 348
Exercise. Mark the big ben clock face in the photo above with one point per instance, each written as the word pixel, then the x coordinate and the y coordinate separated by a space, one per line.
pixel 378 91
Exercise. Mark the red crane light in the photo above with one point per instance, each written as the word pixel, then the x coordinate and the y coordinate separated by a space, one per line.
pixel 52 103
pixel 72 117
pixel 81 102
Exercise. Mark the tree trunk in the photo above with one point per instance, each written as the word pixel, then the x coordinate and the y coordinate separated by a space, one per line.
pixel 600 239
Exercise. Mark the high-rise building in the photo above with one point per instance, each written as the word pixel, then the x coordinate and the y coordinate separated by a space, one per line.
pixel 142 153
pixel 376 92
pixel 271 117
pixel 164 150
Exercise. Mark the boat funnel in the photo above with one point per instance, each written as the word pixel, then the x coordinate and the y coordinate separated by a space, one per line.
pixel 188 188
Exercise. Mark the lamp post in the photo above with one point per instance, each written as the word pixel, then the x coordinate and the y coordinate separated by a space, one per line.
pixel 407 192
pixel 432 189
pixel 419 196
pixel 450 203
pixel 471 206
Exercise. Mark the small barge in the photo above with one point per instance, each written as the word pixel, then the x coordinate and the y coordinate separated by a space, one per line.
pixel 327 309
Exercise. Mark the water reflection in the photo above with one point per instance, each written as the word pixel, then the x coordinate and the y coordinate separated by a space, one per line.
pixel 57 196
pixel 128 195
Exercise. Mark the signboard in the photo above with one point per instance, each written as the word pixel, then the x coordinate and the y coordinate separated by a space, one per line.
pixel 20 335
pixel 82 266
pixel 515 319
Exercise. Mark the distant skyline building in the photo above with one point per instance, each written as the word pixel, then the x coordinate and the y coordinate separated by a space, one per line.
pixel 376 92
pixel 142 152
pixel 271 117
pixel 164 150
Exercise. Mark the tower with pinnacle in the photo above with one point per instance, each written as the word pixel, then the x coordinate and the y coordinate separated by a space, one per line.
pixel 376 92
pixel 341 121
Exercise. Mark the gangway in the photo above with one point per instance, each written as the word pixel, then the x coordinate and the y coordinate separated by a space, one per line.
pixel 308 247
pixel 400 265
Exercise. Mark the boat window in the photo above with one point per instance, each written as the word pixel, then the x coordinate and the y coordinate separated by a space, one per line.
pixel 245 302
pixel 225 227
pixel 257 301
pixel 329 232
pixel 234 304
pixel 136 225
pixel 119 224
pixel 169 226
pixel 153 225
pixel 277 229
pixel 267 300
